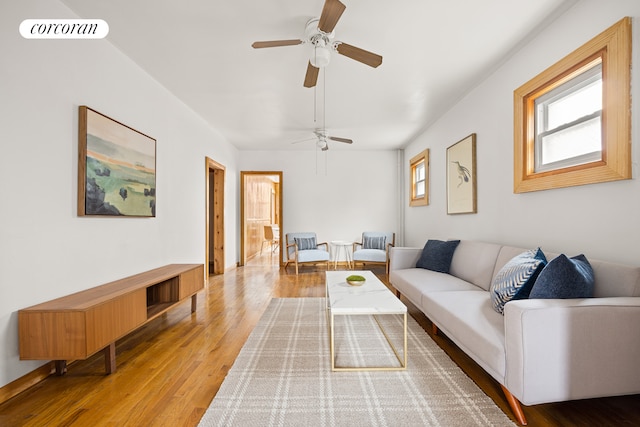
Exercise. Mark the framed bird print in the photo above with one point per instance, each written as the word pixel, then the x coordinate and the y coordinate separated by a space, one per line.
pixel 461 176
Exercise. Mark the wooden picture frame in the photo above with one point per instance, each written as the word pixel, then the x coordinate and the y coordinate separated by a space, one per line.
pixel 116 168
pixel 461 177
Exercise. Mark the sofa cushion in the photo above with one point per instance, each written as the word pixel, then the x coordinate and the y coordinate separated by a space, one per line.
pixel 565 278
pixel 312 255
pixel 371 255
pixel 468 319
pixel 413 282
pixel 474 262
pixel 615 280
pixel 516 278
pixel 437 255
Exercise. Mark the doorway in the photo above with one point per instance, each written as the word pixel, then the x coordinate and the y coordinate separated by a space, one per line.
pixel 214 217
pixel 260 211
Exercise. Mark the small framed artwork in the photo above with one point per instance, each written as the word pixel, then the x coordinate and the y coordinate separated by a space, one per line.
pixel 461 176
pixel 116 168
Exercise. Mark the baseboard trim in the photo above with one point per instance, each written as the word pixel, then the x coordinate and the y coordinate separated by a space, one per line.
pixel 26 381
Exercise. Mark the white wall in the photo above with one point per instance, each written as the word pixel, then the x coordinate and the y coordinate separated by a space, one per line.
pixel 599 220
pixel 46 250
pixel 350 192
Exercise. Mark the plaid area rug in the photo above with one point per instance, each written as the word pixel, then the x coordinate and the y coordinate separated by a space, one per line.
pixel 283 377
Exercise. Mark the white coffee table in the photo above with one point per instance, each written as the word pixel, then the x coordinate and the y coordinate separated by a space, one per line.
pixel 372 298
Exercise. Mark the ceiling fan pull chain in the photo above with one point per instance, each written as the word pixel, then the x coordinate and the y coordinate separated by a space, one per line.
pixel 315 102
pixel 324 114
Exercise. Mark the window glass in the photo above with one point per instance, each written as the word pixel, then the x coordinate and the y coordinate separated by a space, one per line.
pixel 568 122
pixel 573 143
pixel 419 180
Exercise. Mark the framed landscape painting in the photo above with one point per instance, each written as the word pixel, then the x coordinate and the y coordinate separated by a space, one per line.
pixel 461 176
pixel 116 168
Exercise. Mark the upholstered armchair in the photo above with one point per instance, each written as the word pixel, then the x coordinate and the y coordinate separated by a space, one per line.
pixel 374 248
pixel 303 248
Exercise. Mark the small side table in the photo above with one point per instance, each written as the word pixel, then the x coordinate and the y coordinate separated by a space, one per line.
pixel 344 246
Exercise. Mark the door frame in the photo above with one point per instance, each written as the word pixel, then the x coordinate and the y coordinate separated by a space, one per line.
pixel 243 174
pixel 218 216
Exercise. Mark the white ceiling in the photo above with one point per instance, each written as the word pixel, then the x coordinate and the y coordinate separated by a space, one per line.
pixel 433 52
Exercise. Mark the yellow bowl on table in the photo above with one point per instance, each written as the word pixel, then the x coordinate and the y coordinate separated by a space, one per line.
pixel 356 280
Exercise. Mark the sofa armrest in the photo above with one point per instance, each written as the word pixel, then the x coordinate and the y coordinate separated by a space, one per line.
pixel 558 350
pixel 403 257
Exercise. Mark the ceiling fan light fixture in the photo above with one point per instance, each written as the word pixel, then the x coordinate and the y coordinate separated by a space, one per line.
pixel 322 144
pixel 320 56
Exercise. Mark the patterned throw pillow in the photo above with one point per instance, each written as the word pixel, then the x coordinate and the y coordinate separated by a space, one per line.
pixel 305 243
pixel 377 242
pixel 565 278
pixel 515 280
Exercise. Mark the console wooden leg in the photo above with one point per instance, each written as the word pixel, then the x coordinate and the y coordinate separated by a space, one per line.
pixel 194 302
pixel 515 406
pixel 110 358
pixel 61 367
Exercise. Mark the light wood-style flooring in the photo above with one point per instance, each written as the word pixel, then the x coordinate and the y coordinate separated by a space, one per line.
pixel 169 371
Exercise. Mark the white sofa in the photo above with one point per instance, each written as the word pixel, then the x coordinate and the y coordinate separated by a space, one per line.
pixel 541 350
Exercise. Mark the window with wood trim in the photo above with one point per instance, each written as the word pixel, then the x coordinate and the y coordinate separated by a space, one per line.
pixel 420 179
pixel 572 122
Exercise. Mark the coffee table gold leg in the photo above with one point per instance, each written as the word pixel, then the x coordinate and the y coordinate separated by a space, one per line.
pixel 331 343
pixel 405 339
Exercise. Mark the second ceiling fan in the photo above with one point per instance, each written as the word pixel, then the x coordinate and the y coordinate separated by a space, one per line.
pixel 319 33
pixel 321 138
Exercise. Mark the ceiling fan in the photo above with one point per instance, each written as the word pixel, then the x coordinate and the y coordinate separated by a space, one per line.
pixel 319 33
pixel 321 138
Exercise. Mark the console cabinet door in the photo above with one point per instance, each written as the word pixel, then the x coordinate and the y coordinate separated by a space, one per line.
pixel 57 335
pixel 114 319
pixel 191 281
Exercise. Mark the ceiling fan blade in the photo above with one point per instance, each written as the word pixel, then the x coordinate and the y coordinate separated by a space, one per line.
pixel 311 77
pixel 276 43
pixel 360 55
pixel 305 140
pixel 331 13
pixel 345 140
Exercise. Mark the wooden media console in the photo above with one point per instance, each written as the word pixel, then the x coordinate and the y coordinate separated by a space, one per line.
pixel 78 325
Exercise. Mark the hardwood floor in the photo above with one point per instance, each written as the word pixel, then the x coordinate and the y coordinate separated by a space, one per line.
pixel 169 370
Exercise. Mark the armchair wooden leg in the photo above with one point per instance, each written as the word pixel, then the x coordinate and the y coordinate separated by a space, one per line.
pixel 515 406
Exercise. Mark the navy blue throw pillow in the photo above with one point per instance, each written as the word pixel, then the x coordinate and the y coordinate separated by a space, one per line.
pixel 565 278
pixel 437 255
